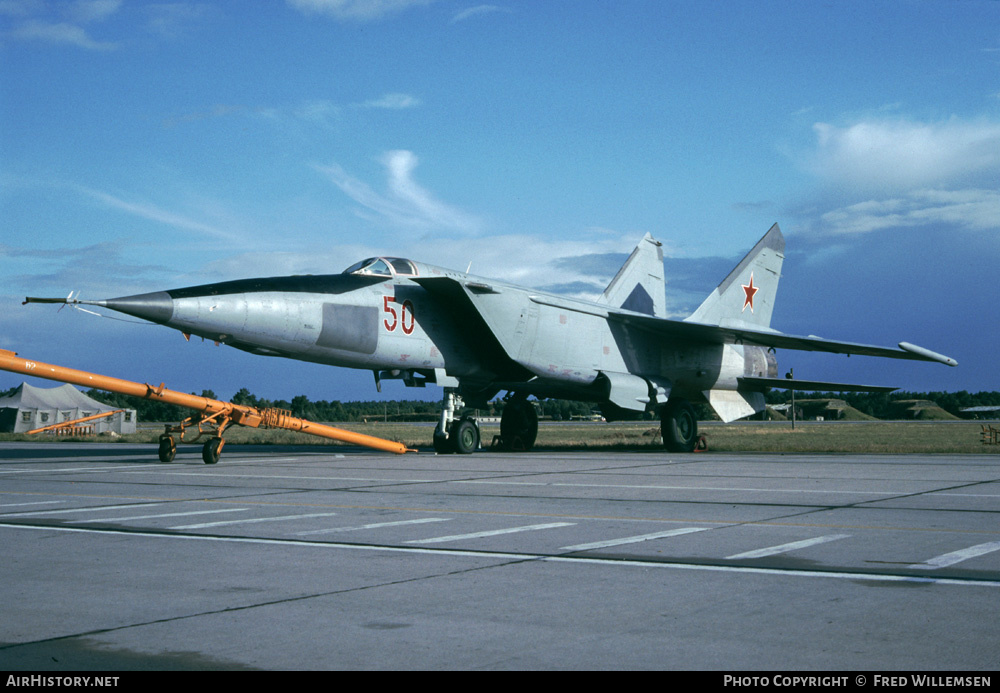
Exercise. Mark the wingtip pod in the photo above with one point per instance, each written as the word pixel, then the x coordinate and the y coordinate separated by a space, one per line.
pixel 927 354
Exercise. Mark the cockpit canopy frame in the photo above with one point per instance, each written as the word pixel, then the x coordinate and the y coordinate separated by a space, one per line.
pixel 383 267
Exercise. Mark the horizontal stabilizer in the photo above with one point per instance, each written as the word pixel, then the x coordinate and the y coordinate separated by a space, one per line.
pixel 753 383
pixel 729 334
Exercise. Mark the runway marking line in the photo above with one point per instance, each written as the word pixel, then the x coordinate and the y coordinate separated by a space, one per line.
pixel 785 548
pixel 855 576
pixel 634 540
pixel 15 505
pixel 150 517
pixel 253 520
pixel 491 533
pixel 947 559
pixel 661 487
pixel 376 525
pixel 33 513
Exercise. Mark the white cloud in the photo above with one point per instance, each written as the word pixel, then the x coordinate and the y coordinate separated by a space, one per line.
pixel 86 11
pixel 60 33
pixel 157 214
pixel 477 11
pixel 394 101
pixel 974 209
pixel 882 155
pixel 355 10
pixel 405 202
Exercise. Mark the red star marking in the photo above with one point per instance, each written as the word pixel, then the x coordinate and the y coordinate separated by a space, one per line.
pixel 749 290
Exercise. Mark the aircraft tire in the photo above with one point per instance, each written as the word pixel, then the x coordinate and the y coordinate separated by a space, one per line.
pixel 210 453
pixel 518 426
pixel 679 426
pixel 442 444
pixel 464 436
pixel 168 449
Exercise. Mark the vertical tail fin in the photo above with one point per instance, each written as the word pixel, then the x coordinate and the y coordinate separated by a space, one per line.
pixel 746 296
pixel 638 285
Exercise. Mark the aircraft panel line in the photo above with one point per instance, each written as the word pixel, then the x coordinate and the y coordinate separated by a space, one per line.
pixel 785 548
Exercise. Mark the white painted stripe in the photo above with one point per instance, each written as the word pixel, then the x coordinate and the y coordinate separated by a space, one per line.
pixel 659 487
pixel 149 517
pixel 377 525
pixel 491 533
pixel 359 479
pixel 14 505
pixel 947 559
pixel 99 508
pixel 59 470
pixel 634 540
pixel 253 520
pixel 497 555
pixel 785 548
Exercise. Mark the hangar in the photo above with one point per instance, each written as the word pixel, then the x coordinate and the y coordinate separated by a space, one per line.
pixel 30 407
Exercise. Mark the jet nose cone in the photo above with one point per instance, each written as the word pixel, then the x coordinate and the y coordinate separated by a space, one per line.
pixel 156 307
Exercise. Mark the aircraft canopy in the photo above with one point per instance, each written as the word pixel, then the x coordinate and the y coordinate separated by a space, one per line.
pixel 382 267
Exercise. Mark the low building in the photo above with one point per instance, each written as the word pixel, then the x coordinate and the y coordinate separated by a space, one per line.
pixel 984 412
pixel 30 408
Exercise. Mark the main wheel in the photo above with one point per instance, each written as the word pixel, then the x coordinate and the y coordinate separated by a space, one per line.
pixel 679 426
pixel 464 436
pixel 168 449
pixel 518 425
pixel 210 453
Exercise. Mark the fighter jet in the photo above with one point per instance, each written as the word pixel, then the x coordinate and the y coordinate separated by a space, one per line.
pixel 477 337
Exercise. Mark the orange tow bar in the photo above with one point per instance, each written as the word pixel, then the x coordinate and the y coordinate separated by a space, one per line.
pixel 213 417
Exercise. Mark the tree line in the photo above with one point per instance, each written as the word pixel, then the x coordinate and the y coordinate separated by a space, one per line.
pixel 878 405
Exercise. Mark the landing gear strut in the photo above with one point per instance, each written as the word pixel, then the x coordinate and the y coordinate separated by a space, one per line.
pixel 454 434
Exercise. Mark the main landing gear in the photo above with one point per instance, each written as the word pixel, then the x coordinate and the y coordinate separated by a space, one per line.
pixel 678 425
pixel 518 425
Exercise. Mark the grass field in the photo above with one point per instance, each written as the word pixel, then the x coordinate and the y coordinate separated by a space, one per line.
pixel 776 437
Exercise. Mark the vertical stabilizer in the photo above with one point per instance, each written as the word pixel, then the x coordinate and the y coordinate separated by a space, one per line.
pixel 746 296
pixel 638 286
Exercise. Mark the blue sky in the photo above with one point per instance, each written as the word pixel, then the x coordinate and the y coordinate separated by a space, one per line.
pixel 148 145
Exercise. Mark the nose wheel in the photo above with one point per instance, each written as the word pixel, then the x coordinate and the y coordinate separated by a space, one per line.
pixel 453 434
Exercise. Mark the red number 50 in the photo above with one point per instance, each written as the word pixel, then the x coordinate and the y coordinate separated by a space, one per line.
pixel 405 318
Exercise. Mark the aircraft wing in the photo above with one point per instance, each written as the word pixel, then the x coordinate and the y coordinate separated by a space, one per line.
pixel 455 296
pixel 723 334
pixel 752 383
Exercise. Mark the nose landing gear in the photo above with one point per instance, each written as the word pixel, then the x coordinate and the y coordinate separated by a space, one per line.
pixel 455 434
